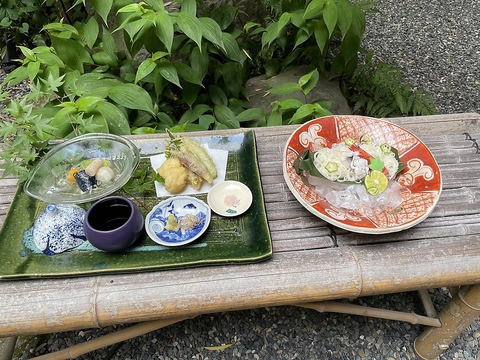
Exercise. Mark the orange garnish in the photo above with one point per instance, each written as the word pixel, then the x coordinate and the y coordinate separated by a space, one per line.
pixel 70 176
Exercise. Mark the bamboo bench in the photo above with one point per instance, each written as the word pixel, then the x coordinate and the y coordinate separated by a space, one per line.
pixel 312 265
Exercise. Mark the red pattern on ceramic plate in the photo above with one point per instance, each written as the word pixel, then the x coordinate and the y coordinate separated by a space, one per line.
pixel 422 176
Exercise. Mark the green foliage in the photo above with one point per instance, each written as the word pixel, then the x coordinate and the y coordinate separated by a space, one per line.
pixel 292 111
pixel 325 33
pixel 379 90
pixel 180 69
pixel 21 21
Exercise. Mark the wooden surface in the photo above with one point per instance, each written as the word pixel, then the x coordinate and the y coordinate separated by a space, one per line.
pixel 312 261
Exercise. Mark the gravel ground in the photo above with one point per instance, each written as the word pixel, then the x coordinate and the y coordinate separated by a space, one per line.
pixel 436 43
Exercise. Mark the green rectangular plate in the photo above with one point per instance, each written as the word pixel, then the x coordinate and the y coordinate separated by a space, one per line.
pixel 242 239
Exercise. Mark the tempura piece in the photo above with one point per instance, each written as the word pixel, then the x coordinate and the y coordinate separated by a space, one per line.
pixel 194 180
pixel 190 161
pixel 174 174
pixel 195 148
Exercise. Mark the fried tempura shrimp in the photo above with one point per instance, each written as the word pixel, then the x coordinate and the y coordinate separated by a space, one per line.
pixel 174 174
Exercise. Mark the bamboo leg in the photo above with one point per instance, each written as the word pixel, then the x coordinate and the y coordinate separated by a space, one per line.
pixel 106 340
pixel 455 317
pixel 332 306
pixel 427 303
pixel 9 348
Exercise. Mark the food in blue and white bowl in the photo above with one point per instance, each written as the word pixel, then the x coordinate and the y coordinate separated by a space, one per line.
pixel 178 221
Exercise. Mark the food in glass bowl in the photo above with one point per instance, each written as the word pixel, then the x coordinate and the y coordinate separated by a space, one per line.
pixel 83 169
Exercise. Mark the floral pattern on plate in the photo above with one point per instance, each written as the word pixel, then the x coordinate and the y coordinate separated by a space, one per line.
pixel 422 176
pixel 230 198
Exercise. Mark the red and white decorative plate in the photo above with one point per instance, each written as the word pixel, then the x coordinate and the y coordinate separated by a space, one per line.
pixel 422 176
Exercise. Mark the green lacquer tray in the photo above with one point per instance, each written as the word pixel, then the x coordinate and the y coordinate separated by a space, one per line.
pixel 242 239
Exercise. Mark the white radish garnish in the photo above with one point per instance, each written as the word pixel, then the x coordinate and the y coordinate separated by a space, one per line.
pixel 105 174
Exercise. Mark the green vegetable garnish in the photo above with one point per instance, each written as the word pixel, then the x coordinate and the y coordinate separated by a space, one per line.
pixel 331 167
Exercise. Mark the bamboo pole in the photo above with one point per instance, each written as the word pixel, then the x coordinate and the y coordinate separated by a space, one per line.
pixel 9 348
pixel 427 303
pixel 455 317
pixel 336 307
pixel 110 339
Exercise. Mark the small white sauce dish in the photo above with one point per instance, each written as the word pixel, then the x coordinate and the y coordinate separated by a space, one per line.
pixel 178 220
pixel 229 198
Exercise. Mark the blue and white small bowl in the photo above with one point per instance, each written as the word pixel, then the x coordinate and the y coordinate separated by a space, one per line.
pixel 181 207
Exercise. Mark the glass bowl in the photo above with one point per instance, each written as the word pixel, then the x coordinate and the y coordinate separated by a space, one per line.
pixel 52 181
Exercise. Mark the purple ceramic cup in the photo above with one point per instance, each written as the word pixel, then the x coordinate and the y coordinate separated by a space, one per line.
pixel 113 223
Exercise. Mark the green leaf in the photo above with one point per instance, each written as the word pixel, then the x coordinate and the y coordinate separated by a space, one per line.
pixel 53 81
pixel 319 110
pixel 102 58
pixel 29 54
pixel 232 50
pixel 145 68
pixel 165 119
pixel 164 29
pixel 131 8
pixel 211 31
pixel 350 45
pixel 156 4
pixel 33 69
pixel 190 93
pixel 309 81
pixel 193 114
pixel 102 7
pixel 59 27
pixel 62 122
pixel 94 123
pixel 286 88
pixel 116 120
pixel 16 76
pixel 72 53
pixel 303 113
pixel 275 119
pixel 191 27
pixel 108 44
pixel 300 38
pixel 87 103
pixel 199 61
pixel 225 116
pixel 168 71
pixel 143 131
pixel 188 74
pixel 345 19
pixel 283 21
pixel 249 114
pixel 314 9
pixel 321 35
pixel 232 77
pixel 338 65
pixel 189 6
pixel 132 97
pixel 330 14
pixel 269 35
pixel 91 32
pixel 224 15
pixel 217 95
pixel 205 121
pixel 288 104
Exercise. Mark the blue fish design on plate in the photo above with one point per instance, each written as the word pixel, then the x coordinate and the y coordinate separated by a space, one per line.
pixel 178 221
